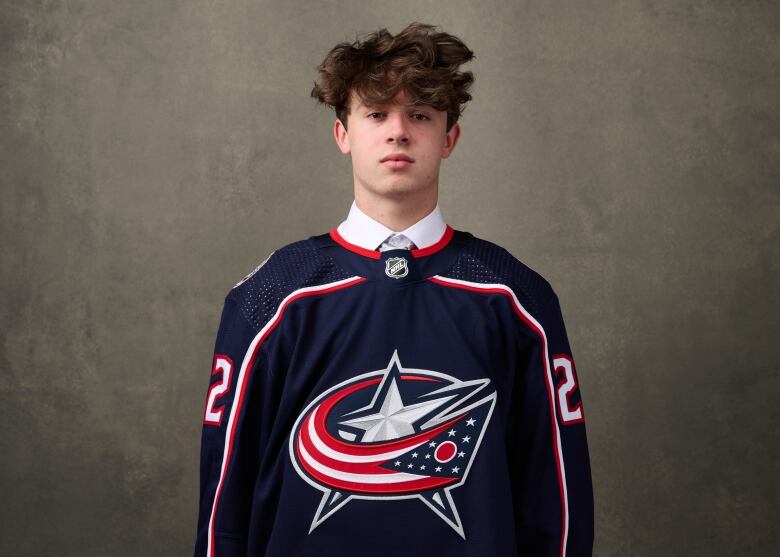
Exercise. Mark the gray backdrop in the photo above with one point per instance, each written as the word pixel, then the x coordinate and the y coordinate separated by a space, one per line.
pixel 153 152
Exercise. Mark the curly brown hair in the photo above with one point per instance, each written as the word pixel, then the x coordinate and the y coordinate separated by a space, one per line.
pixel 419 60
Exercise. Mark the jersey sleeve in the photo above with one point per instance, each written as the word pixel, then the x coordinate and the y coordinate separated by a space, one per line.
pixel 230 448
pixel 552 491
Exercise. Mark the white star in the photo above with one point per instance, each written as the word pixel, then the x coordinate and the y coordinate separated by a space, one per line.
pixel 414 455
pixel 410 465
pixel 466 439
pixel 455 470
pixel 398 463
pixel 461 454
pixel 451 432
pixel 432 444
pixel 393 420
pixel 438 468
pixel 428 456
pixel 470 421
pixel 422 467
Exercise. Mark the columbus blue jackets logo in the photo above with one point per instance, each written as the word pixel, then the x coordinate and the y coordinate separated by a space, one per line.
pixel 395 433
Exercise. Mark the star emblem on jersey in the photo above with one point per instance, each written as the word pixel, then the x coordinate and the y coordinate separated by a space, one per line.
pixel 396 267
pixel 396 433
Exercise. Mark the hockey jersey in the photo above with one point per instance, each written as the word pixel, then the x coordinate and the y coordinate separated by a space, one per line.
pixel 396 403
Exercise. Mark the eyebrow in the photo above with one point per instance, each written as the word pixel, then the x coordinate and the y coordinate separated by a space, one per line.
pixel 408 106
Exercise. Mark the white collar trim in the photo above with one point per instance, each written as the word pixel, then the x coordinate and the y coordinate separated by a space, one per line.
pixel 364 231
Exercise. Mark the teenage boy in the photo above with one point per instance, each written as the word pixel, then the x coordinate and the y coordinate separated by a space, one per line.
pixel 394 387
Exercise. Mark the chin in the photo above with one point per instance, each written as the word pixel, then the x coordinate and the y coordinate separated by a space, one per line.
pixel 399 187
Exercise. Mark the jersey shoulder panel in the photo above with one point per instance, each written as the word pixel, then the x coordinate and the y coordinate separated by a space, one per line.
pixel 292 267
pixel 481 261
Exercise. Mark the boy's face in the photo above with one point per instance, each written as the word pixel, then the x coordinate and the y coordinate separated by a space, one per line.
pixel 396 149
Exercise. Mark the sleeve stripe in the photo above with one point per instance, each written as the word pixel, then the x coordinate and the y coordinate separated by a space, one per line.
pixel 243 380
pixel 539 330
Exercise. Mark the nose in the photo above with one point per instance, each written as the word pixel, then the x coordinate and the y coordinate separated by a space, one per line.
pixel 397 131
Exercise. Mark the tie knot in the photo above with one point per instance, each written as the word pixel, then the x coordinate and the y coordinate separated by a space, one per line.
pixel 396 241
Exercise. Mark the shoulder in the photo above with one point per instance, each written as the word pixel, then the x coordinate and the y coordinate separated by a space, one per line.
pixel 283 259
pixel 482 262
pixel 289 268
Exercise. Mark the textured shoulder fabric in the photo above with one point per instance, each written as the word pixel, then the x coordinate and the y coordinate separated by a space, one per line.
pixel 290 268
pixel 484 262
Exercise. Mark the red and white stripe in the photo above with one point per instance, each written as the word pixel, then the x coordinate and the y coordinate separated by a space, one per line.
pixel 356 467
pixel 243 381
pixel 535 326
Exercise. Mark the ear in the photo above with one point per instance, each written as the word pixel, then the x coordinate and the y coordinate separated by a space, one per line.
pixel 450 140
pixel 341 136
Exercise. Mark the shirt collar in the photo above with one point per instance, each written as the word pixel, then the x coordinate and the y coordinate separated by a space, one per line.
pixel 364 231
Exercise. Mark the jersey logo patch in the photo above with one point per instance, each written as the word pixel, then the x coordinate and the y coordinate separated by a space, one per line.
pixel 250 275
pixel 396 433
pixel 396 267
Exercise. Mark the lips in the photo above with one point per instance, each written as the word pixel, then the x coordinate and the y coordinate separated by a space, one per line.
pixel 397 157
pixel 397 160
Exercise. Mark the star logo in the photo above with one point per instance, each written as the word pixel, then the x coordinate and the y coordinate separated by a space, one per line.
pixel 387 435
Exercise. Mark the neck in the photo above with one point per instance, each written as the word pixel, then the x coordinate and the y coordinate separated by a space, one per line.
pixel 397 213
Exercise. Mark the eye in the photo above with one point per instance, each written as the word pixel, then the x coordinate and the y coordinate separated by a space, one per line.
pixel 375 115
pixel 419 116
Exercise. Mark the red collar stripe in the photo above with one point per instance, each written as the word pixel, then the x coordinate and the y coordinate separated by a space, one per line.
pixel 374 254
pixel 339 239
pixel 443 241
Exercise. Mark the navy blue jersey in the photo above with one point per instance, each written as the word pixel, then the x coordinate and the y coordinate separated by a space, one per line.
pixel 392 403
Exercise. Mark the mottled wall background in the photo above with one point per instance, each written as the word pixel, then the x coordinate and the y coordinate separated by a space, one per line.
pixel 153 152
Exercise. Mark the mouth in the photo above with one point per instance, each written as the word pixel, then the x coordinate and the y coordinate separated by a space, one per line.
pixel 397 160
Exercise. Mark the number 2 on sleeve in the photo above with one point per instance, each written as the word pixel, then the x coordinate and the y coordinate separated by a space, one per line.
pixel 564 365
pixel 222 365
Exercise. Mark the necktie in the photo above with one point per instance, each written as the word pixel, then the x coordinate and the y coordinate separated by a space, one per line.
pixel 397 241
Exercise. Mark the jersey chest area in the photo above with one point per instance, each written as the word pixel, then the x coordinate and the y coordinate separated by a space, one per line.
pixel 330 338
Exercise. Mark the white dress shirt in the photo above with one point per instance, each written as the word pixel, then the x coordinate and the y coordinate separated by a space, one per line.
pixel 363 231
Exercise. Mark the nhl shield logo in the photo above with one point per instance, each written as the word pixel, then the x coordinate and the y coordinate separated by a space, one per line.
pixel 396 267
pixel 395 433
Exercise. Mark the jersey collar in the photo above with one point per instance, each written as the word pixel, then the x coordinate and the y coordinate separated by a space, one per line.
pixel 363 231
pixel 363 234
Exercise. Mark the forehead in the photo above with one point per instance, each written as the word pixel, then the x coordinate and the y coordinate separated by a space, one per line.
pixel 356 102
